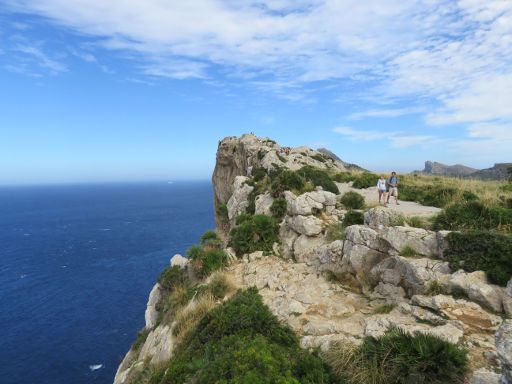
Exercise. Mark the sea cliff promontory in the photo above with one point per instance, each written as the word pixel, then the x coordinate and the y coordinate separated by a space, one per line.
pixel 307 280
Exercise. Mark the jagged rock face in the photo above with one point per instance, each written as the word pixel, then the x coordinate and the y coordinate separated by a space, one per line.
pixel 151 313
pixel 380 217
pixel 504 347
pixel 423 242
pixel 435 168
pixel 239 200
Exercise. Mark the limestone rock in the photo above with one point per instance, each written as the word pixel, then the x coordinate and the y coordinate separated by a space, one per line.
pixel 329 256
pixel 309 203
pixel 469 313
pixel 238 202
pixel 363 235
pixel 422 241
pixel 159 345
pixel 305 225
pixel 151 313
pixel 179 260
pixel 483 376
pixel 304 248
pixel 507 299
pixel 263 204
pixel 380 217
pixel 287 237
pixel 504 348
pixel 412 274
pixel 477 288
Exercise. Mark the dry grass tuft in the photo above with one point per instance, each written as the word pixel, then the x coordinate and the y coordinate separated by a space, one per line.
pixel 187 318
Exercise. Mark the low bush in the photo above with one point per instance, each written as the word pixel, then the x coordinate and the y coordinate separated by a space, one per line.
pixel 222 211
pixel 434 288
pixel 365 180
pixel 142 335
pixel 241 341
pixel 344 177
pixel 353 218
pixel 398 357
pixel 352 200
pixel 397 220
pixel 172 277
pixel 318 178
pixel 286 181
pixel 207 261
pixel 279 207
pixel 320 158
pixel 383 309
pixel 220 285
pixel 417 222
pixel 431 195
pixel 474 215
pixel 481 250
pixel 409 251
pixel 259 173
pixel 254 233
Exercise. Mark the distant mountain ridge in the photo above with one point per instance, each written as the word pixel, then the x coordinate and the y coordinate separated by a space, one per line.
pixel 498 172
pixel 332 155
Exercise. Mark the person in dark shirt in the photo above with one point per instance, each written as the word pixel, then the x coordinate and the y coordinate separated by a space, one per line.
pixel 393 187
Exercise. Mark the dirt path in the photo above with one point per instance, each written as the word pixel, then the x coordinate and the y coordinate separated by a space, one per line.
pixel 407 208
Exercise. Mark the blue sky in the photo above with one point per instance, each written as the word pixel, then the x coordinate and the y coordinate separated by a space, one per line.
pixel 143 89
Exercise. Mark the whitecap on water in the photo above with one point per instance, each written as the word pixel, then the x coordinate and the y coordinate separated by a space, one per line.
pixel 95 367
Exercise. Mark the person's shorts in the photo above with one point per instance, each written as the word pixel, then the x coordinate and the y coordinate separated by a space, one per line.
pixel 393 191
pixel 381 190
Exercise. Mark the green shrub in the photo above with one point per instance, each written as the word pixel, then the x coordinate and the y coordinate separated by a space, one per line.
pixel 279 207
pixel 365 180
pixel 353 218
pixel 241 341
pixel 222 211
pixel 506 187
pixel 397 220
pixel 481 250
pixel 255 233
pixel 344 177
pixel 172 277
pixel 431 195
pixel 352 200
pixel 320 158
pixel 398 357
pixel 286 181
pixel 335 232
pixel 434 288
pixel 220 285
pixel 259 173
pixel 383 309
pixel 473 215
pixel 416 221
pixel 205 262
pixel 208 237
pixel 318 178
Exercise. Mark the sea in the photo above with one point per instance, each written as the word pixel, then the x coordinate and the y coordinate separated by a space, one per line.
pixel 77 263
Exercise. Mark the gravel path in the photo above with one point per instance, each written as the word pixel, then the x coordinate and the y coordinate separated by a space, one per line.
pixel 407 208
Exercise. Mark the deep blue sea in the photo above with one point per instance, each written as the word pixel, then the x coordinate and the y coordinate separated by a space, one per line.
pixel 76 267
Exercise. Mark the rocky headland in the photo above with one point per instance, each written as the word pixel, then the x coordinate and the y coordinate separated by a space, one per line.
pixel 331 281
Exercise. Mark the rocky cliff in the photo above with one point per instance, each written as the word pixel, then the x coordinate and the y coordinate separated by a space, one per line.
pixel 337 283
pixel 500 171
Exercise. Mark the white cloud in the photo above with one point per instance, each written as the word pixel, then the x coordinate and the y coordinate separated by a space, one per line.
pixel 385 113
pixel 361 135
pixel 40 58
pixel 395 139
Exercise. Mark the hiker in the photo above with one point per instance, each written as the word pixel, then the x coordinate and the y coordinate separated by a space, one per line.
pixel 393 187
pixel 381 188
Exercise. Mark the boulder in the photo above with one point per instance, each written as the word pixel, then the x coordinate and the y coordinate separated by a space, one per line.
pixel 358 260
pixel 380 217
pixel 424 242
pixel 263 204
pixel 483 376
pixel 476 287
pixel 469 313
pixel 304 249
pixel 329 256
pixel 151 313
pixel 179 260
pixel 363 235
pixel 239 200
pixel 287 237
pixel 504 348
pixel 507 299
pixel 412 274
pixel 305 225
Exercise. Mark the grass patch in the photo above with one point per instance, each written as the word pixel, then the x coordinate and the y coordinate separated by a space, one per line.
pixel 409 251
pixel 188 317
pixel 254 233
pixel 220 285
pixel 241 341
pixel 352 200
pixel 353 218
pixel 142 335
pixel 383 309
pixel 344 177
pixel 320 158
pixel 365 180
pixel 335 232
pixel 481 250
pixel 205 261
pixel 279 207
pixel 397 357
pixel 318 178
pixel 397 220
pixel 434 288
pixel 287 181
pixel 417 222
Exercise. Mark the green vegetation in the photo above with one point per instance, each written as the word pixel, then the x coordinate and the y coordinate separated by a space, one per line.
pixel 383 309
pixel 258 174
pixel 352 200
pixel 474 215
pixel 142 335
pixel 397 357
pixel 409 251
pixel 353 218
pixel 431 195
pixel 241 341
pixel 320 158
pixel 279 207
pixel 172 277
pixel 434 288
pixel 365 180
pixel 335 232
pixel 254 233
pixel 318 178
pixel 481 250
pixel 417 222
pixel 397 220
pixel 344 177
pixel 204 261
pixel 287 181
pixel 222 211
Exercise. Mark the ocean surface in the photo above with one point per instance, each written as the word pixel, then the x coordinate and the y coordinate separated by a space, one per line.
pixel 76 267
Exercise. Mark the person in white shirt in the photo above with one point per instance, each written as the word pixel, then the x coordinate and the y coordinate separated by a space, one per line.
pixel 381 188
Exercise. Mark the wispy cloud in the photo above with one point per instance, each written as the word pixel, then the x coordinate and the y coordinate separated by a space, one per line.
pixel 395 139
pixel 40 58
pixel 385 113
